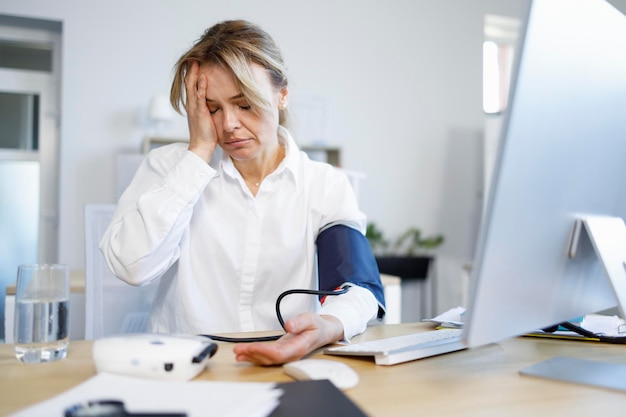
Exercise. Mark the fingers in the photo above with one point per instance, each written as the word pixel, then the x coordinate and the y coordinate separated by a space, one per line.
pixel 201 94
pixel 330 329
pixel 306 333
pixel 262 354
pixel 195 88
pixel 191 83
pixel 301 323
pixel 286 349
pixel 202 132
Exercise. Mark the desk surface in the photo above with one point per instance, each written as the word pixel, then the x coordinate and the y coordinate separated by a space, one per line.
pixel 477 382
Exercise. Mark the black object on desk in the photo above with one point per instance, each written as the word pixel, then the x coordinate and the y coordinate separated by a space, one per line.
pixel 110 408
pixel 313 399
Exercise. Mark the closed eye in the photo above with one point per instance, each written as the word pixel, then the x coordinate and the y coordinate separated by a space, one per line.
pixel 213 109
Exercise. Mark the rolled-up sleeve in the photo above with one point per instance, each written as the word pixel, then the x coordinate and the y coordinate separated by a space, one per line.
pixel 353 309
pixel 142 241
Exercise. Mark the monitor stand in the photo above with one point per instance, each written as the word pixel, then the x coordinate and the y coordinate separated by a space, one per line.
pixel 607 236
pixel 580 371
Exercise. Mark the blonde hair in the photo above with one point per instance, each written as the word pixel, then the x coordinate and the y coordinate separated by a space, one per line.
pixel 234 44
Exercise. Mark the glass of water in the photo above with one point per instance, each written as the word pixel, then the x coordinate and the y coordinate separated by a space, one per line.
pixel 42 298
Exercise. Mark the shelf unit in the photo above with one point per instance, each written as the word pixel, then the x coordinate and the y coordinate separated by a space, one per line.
pixel 331 155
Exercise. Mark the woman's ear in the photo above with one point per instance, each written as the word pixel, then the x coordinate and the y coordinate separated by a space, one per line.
pixel 283 99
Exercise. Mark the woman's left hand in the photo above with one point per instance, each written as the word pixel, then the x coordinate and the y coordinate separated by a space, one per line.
pixel 305 333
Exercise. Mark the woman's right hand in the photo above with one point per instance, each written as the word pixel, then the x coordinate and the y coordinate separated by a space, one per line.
pixel 202 133
pixel 305 333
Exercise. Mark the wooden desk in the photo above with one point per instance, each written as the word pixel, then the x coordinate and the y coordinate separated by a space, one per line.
pixel 478 382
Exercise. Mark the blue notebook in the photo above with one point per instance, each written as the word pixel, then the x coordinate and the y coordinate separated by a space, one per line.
pixel 314 399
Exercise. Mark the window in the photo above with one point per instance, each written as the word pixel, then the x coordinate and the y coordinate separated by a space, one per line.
pixel 30 74
pixel 34 56
pixel 19 121
pixel 498 51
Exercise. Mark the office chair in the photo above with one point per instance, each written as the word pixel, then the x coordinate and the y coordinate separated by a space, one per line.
pixel 112 306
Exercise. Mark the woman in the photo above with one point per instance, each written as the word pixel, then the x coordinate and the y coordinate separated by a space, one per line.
pixel 227 241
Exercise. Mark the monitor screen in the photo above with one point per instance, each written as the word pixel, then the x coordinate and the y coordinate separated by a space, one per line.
pixel 561 157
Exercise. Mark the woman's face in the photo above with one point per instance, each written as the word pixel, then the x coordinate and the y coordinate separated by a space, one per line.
pixel 242 133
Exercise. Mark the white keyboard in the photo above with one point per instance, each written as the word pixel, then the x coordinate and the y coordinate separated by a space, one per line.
pixel 393 350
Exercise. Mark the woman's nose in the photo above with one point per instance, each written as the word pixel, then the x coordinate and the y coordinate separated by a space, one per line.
pixel 231 121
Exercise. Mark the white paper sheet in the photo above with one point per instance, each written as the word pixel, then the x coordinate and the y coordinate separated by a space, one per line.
pixel 450 318
pixel 196 398
pixel 604 325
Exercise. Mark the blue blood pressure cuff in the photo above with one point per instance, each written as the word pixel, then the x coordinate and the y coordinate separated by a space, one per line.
pixel 344 256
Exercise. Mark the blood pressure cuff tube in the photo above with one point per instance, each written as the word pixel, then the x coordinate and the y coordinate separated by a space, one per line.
pixel 344 256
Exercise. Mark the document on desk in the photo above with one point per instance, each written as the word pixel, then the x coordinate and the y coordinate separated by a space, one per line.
pixel 451 318
pixel 195 398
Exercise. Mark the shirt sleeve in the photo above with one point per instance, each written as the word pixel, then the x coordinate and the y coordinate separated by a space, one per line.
pixel 152 215
pixel 339 203
pixel 359 305
pixel 353 309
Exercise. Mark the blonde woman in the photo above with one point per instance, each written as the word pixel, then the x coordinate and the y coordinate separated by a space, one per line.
pixel 225 242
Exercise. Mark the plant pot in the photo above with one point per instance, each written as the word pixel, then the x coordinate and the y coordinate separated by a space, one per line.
pixel 405 267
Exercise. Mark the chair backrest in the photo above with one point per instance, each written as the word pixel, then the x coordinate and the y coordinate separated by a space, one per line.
pixel 111 305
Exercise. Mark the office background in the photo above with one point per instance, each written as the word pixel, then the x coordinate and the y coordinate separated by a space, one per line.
pixel 400 82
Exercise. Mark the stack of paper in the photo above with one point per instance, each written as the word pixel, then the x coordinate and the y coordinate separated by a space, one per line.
pixel 604 325
pixel 195 398
pixel 451 318
pixel 599 324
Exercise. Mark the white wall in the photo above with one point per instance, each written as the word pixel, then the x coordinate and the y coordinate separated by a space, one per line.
pixel 402 78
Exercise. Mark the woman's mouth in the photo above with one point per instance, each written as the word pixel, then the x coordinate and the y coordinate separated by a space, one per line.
pixel 237 142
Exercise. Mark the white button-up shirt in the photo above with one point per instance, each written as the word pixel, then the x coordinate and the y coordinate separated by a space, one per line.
pixel 223 256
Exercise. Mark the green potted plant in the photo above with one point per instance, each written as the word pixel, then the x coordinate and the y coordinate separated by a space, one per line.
pixel 376 239
pixel 413 243
pixel 408 257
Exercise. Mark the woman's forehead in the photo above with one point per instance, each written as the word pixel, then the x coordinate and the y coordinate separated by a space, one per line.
pixel 220 75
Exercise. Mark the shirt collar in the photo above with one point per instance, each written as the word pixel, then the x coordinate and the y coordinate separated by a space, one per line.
pixel 289 164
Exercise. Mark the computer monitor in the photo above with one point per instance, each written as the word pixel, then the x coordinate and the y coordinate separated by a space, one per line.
pixel 562 157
